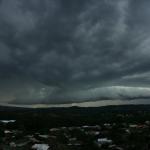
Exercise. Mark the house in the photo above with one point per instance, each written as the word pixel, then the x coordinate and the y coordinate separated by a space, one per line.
pixel 40 147
pixel 103 141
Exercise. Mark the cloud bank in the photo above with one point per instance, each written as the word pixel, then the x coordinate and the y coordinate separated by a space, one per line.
pixel 65 51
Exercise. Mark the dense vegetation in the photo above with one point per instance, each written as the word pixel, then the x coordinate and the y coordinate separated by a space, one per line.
pixel 74 116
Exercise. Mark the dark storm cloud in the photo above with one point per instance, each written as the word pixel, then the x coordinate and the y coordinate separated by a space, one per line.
pixel 56 51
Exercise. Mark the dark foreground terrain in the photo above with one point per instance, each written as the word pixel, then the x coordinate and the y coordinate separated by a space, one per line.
pixel 104 128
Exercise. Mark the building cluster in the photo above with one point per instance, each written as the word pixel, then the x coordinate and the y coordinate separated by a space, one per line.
pixel 107 136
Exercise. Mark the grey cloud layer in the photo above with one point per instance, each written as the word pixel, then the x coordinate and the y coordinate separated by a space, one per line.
pixel 62 48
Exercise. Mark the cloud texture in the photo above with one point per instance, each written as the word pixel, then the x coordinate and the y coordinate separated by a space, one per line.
pixel 61 51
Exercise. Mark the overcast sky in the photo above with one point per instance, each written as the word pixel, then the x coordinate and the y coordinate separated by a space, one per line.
pixel 68 51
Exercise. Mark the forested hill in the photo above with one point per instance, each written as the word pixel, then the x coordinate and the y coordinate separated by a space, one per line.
pixel 111 108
